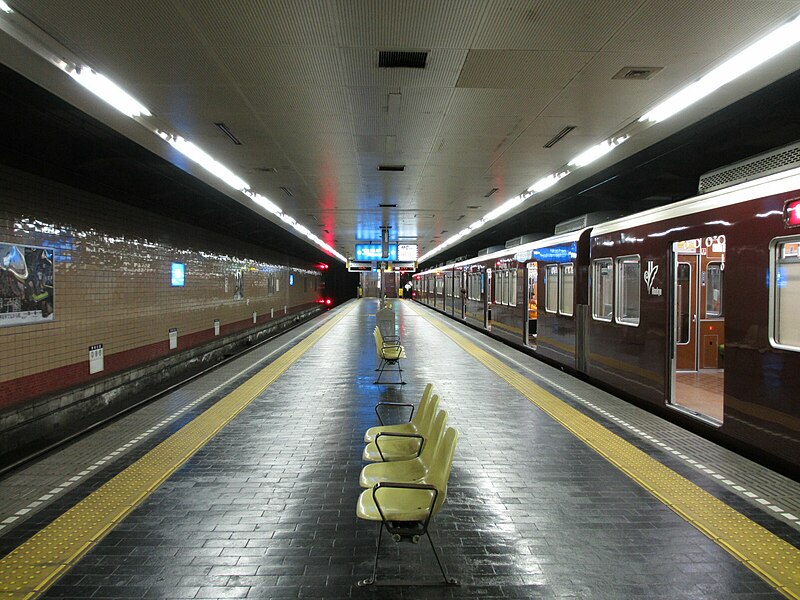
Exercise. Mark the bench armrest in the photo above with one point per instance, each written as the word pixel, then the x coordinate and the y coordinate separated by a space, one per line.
pixel 406 486
pixel 399 435
pixel 411 416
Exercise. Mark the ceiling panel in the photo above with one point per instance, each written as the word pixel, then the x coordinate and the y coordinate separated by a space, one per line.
pixel 711 26
pixel 298 82
pixel 512 69
pixel 582 25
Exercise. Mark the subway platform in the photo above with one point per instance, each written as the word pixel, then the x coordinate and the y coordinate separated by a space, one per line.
pixel 243 484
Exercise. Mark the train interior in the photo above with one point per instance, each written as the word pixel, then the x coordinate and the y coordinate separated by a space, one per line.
pixel 698 369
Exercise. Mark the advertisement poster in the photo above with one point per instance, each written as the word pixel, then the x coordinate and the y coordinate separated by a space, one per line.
pixel 26 285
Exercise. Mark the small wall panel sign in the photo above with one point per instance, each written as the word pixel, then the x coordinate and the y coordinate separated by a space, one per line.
pixel 255 316
pixel 216 326
pixel 96 358
pixel 173 338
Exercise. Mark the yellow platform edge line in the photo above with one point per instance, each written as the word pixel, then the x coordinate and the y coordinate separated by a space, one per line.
pixel 766 554
pixel 32 567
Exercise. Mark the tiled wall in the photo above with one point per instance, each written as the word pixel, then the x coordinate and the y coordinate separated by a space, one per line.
pixel 113 285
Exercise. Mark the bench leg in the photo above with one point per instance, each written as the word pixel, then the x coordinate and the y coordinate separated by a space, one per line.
pixel 447 580
pixel 371 580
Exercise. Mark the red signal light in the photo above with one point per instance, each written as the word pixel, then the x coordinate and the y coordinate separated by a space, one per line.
pixel 793 213
pixel 328 301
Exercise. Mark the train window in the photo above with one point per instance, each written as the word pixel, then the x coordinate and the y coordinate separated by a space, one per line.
pixel 714 290
pixel 785 278
pixel 512 287
pixel 628 290
pixel 602 290
pixel 566 295
pixel 551 288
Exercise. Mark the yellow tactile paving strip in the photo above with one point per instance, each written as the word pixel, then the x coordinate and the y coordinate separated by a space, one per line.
pixel 36 564
pixel 777 561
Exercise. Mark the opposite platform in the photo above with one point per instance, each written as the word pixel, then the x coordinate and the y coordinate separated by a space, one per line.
pixel 265 508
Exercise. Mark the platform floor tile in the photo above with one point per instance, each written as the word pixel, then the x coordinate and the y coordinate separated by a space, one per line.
pixel 266 508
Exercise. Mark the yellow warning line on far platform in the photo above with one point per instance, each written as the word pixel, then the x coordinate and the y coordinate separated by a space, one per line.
pixel 36 564
pixel 777 561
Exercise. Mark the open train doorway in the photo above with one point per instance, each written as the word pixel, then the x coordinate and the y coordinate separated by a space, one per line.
pixel 698 371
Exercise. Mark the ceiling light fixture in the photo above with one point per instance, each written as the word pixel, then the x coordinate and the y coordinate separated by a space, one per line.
pixel 108 91
pixel 770 45
pixel 54 52
pixel 205 160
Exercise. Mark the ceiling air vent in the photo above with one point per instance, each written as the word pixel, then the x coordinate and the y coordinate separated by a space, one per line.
pixel 490 192
pixel 559 136
pixel 637 73
pixel 387 205
pixel 287 191
pixel 224 129
pixel 396 59
pixel 391 167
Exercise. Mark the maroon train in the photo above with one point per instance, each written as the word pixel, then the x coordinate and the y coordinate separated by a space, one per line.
pixel 692 309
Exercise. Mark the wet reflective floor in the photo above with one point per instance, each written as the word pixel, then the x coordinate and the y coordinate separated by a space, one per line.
pixel 266 509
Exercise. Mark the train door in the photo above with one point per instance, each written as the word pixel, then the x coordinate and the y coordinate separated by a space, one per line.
pixel 487 321
pixel 698 327
pixel 532 271
pixel 464 293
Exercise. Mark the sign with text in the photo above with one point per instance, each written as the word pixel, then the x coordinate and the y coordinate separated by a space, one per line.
pixel 406 252
pixel 375 252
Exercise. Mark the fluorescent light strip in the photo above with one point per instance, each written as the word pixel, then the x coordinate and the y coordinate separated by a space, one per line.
pixel 44 45
pixel 108 91
pixel 770 45
pixel 205 160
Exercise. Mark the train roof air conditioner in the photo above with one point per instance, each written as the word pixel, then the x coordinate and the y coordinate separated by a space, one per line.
pixel 774 161
pixel 587 220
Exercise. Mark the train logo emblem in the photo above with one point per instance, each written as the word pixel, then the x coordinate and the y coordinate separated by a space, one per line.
pixel 649 279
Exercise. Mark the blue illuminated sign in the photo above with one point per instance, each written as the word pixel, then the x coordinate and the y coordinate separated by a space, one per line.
pixel 374 252
pixel 291 279
pixel 178 274
pixel 562 253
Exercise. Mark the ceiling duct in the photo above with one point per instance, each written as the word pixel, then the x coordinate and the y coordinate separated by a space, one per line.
pixel 399 59
pixel 559 136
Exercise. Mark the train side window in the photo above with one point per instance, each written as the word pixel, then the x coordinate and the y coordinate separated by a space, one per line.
pixel 714 290
pixel 512 287
pixel 785 294
pixel 602 289
pixel 566 295
pixel 551 288
pixel 628 290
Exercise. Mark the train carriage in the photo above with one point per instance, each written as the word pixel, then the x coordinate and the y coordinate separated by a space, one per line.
pixel 692 309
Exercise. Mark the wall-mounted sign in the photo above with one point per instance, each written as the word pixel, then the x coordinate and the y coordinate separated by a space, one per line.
pixel 375 252
pixel 95 359
pixel 178 274
pixel 406 252
pixel 26 285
